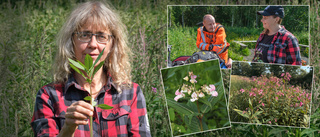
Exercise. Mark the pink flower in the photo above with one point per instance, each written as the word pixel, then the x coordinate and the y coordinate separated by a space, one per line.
pixel 178 97
pixel 269 122
pixel 276 98
pixel 214 93
pixel 177 92
pixel 275 120
pixel 212 88
pixel 282 74
pixel 241 90
pixel 301 104
pixel 154 90
pixel 262 104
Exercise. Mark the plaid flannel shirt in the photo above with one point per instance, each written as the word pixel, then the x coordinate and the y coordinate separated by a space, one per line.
pixel 284 48
pixel 127 118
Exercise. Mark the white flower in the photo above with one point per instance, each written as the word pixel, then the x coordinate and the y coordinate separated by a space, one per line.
pixel 201 95
pixel 193 99
pixel 186 78
pixel 194 95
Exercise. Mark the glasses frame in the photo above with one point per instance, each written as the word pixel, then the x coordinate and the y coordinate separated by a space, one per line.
pixel 91 34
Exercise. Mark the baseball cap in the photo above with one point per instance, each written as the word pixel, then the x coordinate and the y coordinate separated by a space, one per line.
pixel 272 10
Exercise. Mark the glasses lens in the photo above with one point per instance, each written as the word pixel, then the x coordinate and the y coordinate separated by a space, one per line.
pixel 102 38
pixel 85 37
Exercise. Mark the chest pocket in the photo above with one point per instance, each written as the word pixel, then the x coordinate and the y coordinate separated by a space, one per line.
pixel 116 118
pixel 280 53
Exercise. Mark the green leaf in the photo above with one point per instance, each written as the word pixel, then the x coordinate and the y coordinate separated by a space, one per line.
pixel 179 107
pixel 76 64
pixel 104 106
pixel 241 113
pixel 88 61
pixel 97 68
pixel 172 114
pixel 95 62
pixel 204 101
pixel 87 98
pixel 77 70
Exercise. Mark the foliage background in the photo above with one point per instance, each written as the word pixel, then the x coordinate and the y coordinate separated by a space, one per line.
pixel 27 48
pixel 207 73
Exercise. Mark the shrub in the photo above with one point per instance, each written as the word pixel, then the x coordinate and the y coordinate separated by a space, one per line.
pixel 270 101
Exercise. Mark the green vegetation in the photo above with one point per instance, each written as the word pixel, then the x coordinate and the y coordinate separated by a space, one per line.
pixel 27 49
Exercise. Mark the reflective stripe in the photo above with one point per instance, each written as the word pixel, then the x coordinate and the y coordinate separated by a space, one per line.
pixel 202 46
pixel 202 35
pixel 224 47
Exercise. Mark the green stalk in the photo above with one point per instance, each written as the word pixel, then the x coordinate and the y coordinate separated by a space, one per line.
pixel 200 118
pixel 91 102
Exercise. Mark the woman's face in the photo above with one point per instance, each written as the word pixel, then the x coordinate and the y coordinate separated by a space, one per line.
pixel 268 21
pixel 93 47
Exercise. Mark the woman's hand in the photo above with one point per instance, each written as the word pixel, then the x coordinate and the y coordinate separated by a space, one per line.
pixel 77 113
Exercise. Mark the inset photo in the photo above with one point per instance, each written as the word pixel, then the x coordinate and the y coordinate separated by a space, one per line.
pixel 266 34
pixel 278 95
pixel 195 97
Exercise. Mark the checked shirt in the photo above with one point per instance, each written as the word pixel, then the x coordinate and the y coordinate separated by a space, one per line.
pixel 284 48
pixel 127 118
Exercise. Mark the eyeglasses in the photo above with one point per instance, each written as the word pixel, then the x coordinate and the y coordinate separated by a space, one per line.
pixel 86 37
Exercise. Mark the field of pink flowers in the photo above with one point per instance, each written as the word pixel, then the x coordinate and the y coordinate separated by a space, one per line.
pixel 269 100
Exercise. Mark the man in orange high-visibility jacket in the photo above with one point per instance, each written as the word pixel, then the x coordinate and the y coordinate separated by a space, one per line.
pixel 212 37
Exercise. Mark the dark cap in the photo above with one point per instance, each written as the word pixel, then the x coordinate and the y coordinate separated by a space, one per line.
pixel 272 10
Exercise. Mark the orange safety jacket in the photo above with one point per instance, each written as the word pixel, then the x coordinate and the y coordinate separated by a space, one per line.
pixel 217 39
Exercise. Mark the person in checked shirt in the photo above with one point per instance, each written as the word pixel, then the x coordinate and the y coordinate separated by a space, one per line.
pixel 276 44
pixel 60 109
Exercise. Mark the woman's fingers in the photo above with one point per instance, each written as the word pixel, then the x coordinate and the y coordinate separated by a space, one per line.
pixel 71 121
pixel 78 113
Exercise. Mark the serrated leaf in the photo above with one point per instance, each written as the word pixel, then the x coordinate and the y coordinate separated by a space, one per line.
pixel 96 61
pixel 76 64
pixel 97 68
pixel 77 70
pixel 104 106
pixel 87 98
pixel 88 61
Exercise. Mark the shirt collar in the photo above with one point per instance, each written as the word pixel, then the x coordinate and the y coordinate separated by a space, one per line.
pixel 73 82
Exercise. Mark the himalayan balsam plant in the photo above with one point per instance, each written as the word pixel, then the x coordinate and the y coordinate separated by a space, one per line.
pixel 197 96
pixel 87 70
pixel 273 101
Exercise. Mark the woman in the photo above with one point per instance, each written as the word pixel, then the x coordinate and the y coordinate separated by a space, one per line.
pixel 60 108
pixel 276 44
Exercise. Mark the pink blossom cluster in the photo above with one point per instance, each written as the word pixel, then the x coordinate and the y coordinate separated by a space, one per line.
pixel 274 93
pixel 190 92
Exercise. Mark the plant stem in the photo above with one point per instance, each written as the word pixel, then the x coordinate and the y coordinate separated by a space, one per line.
pixel 91 102
pixel 200 118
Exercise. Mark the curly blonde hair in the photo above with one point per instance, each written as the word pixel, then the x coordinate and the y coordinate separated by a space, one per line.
pixel 100 14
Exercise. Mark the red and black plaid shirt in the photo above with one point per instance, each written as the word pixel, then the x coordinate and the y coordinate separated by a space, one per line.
pixel 127 118
pixel 284 48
